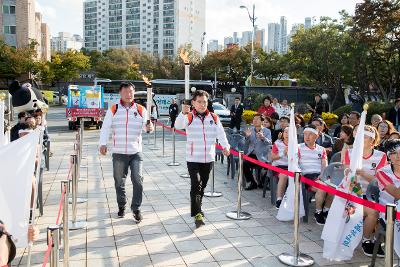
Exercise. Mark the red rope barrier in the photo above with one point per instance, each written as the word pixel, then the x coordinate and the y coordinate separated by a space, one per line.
pixel 326 188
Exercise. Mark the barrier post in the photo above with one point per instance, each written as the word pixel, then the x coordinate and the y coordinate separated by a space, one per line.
pixel 390 221
pixel 53 235
pixel 213 193
pixel 65 186
pixel 239 214
pixel 74 200
pixel 155 137
pixel 297 258
pixel 173 163
pixel 163 141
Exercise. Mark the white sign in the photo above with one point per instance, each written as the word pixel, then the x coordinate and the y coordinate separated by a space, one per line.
pixel 110 99
pixel 163 102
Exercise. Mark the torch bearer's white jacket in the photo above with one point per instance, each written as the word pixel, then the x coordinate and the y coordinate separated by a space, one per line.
pixel 125 126
pixel 201 136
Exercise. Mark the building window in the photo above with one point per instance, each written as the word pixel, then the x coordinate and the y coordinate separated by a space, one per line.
pixel 8 9
pixel 9 29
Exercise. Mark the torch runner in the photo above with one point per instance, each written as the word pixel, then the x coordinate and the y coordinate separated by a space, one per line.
pixel 185 57
pixel 149 98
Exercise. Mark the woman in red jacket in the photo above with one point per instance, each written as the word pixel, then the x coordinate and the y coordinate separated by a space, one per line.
pixel 266 108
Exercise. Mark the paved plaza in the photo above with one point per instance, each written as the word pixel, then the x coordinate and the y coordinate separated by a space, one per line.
pixel 166 236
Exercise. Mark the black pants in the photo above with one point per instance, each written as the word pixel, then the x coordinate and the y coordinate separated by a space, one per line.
pixel 199 174
pixel 235 123
pixel 173 119
pixel 248 169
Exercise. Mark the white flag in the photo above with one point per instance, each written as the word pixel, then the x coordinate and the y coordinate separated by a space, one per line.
pixel 343 228
pixel 17 167
pixel 286 210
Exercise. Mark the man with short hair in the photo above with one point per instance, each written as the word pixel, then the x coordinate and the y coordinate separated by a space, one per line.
pixel 324 139
pixel 14 130
pixel 317 107
pixel 375 120
pixel 236 114
pixel 354 118
pixel 394 114
pixel 126 121
pixel 173 112
pixel 202 129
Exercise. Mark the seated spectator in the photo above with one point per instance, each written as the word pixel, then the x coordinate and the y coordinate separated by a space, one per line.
pixel 388 178
pixel 317 107
pixel 372 161
pixel 385 129
pixel 7 246
pixel 266 108
pixel 345 138
pixel 344 120
pixel 394 135
pixel 14 130
pixel 267 123
pixel 375 120
pixel 280 159
pixel 275 119
pixel 354 118
pixel 300 124
pixel 257 137
pixel 285 109
pixel 276 105
pixel 394 115
pixel 283 123
pixel 324 139
pixel 312 161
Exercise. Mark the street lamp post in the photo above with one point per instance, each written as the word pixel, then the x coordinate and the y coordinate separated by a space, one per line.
pixel 253 21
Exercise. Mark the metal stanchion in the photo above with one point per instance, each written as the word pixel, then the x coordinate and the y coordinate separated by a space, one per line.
pixel 65 186
pixel 173 163
pixel 297 258
pixel 390 220
pixel 163 141
pixel 75 175
pixel 53 236
pixel 74 200
pixel 155 137
pixel 239 214
pixel 213 193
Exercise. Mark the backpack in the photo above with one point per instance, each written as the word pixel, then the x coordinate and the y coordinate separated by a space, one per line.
pixel 190 118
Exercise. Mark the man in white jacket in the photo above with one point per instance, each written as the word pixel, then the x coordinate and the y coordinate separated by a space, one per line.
pixel 202 129
pixel 125 122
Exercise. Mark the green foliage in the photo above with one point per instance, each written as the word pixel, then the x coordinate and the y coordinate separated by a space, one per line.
pixel 373 108
pixel 67 66
pixel 271 66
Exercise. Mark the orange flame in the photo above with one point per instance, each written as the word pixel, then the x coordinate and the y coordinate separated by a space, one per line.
pixel 146 80
pixel 184 56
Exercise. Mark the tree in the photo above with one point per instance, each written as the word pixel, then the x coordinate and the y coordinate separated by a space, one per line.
pixel 321 56
pixel 117 64
pixel 376 28
pixel 67 66
pixel 271 66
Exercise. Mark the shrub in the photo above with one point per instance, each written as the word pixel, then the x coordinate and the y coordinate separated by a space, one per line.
pixel 329 118
pixel 248 116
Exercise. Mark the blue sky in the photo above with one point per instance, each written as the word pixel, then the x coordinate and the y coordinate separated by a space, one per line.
pixel 223 16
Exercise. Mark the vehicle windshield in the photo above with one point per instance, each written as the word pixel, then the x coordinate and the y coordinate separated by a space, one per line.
pixel 218 107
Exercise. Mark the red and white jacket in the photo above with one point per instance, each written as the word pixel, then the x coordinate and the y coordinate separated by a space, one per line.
pixel 310 159
pixel 125 127
pixel 279 148
pixel 201 136
pixel 370 164
pixel 385 177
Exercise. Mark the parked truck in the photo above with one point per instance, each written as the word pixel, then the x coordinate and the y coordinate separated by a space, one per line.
pixel 85 103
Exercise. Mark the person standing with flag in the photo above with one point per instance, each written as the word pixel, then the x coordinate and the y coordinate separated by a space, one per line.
pixel 202 129
pixel 372 161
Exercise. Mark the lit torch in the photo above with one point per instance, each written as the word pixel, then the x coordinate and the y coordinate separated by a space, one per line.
pixel 185 57
pixel 147 82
